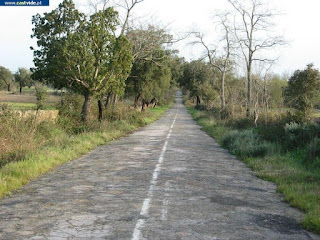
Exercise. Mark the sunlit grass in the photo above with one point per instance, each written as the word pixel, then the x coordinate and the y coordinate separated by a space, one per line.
pixel 63 147
pixel 28 106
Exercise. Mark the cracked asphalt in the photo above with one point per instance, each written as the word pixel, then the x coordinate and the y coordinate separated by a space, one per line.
pixel 168 180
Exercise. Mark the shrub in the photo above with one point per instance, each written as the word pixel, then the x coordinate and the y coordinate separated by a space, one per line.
pixel 299 135
pixel 272 132
pixel 311 154
pixel 41 95
pixel 240 123
pixel 246 144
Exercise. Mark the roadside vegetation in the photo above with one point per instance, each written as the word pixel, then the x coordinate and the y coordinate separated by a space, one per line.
pixel 279 141
pixel 287 154
pixel 107 75
pixel 270 121
pixel 29 148
pixel 121 79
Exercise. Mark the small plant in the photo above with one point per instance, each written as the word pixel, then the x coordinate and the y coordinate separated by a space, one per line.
pixel 42 95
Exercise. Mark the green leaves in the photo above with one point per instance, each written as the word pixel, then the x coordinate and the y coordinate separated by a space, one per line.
pixel 151 73
pixel 79 53
pixel 197 78
pixel 302 88
pixel 6 77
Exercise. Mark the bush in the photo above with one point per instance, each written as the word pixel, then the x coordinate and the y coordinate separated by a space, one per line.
pixel 272 132
pixel 69 113
pixel 310 155
pixel 299 135
pixel 246 144
pixel 201 107
pixel 240 123
pixel 41 95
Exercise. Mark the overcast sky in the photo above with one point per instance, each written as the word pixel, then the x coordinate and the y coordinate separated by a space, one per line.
pixel 299 24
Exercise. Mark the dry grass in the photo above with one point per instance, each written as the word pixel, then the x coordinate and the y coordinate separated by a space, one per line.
pixel 39 115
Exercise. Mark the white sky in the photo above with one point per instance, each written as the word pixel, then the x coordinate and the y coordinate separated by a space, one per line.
pixel 299 24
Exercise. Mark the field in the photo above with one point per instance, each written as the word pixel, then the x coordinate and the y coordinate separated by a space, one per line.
pixel 27 101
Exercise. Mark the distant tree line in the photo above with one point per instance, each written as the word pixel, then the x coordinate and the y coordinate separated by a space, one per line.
pixel 19 79
pixel 234 76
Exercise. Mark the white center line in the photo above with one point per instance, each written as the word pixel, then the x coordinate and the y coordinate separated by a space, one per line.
pixel 165 205
pixel 147 202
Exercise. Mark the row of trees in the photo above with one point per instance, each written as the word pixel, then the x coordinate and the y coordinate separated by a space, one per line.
pixel 100 58
pixel 246 36
pixel 22 77
pixel 271 92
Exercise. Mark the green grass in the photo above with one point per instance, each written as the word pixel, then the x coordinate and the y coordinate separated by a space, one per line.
pixel 28 106
pixel 63 148
pixel 21 106
pixel 299 184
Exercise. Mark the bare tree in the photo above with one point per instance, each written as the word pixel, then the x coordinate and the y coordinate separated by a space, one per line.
pixel 253 31
pixel 264 73
pixel 126 5
pixel 222 62
pixel 146 40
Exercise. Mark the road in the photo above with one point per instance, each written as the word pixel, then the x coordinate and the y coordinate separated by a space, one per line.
pixel 168 180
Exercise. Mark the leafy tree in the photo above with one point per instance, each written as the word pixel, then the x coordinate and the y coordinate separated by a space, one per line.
pixel 6 77
pixel 176 65
pixel 81 54
pixel 23 77
pixel 151 74
pixel 302 89
pixel 149 79
pixel 197 79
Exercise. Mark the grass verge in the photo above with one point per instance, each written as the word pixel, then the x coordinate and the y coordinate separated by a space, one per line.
pixel 63 148
pixel 28 106
pixel 299 184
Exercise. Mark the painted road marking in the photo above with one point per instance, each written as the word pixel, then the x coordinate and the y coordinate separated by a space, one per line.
pixel 147 202
pixel 165 204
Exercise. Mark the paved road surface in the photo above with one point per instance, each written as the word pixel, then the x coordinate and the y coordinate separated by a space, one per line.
pixel 168 180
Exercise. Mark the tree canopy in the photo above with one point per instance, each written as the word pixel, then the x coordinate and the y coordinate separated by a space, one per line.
pixel 80 53
pixel 6 77
pixel 151 73
pixel 302 89
pixel 23 78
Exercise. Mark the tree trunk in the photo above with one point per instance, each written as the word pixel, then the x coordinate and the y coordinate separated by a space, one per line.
pixel 144 105
pixel 222 98
pixel 136 101
pixel 100 107
pixel 114 99
pixel 106 104
pixel 198 100
pixel 86 108
pixel 9 87
pixel 248 91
